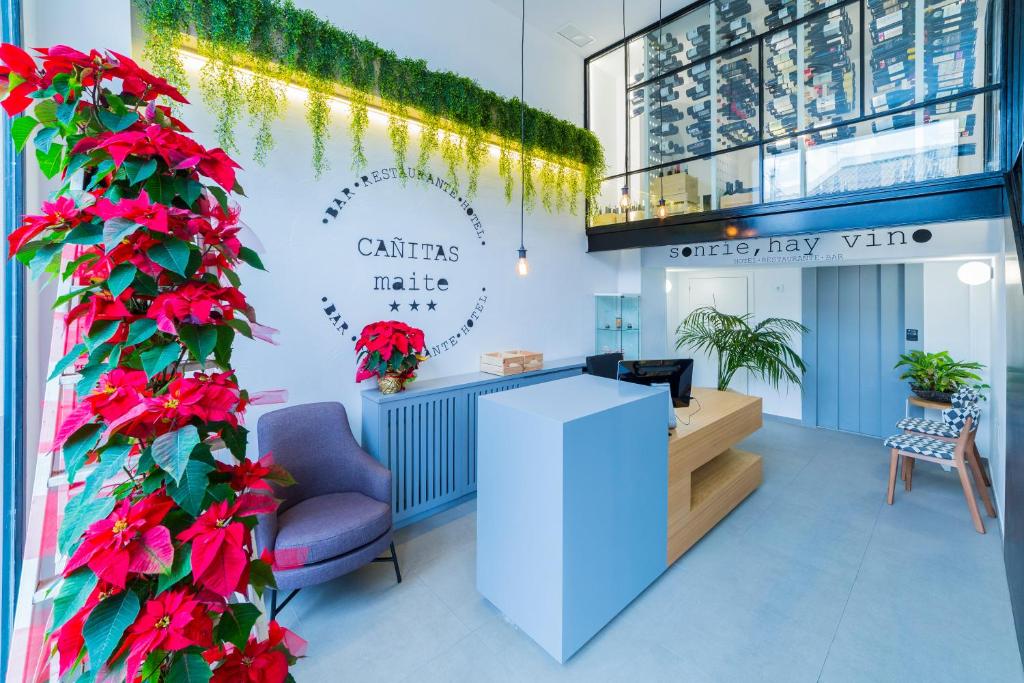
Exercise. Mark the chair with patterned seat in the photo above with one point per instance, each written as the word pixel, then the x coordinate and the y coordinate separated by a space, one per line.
pixel 965 397
pixel 912 447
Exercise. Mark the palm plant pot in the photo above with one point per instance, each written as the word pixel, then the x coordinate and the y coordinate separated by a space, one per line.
pixel 937 396
pixel 391 382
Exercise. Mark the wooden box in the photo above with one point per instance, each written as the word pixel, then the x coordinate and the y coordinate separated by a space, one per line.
pixel 510 362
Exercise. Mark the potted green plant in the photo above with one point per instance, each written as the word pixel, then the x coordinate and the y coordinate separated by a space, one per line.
pixel 763 349
pixel 936 376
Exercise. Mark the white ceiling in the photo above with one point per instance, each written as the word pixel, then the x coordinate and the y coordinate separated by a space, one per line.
pixel 599 18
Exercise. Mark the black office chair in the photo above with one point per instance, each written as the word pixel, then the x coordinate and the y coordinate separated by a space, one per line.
pixel 604 365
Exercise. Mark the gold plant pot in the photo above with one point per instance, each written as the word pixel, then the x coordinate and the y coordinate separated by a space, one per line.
pixel 390 383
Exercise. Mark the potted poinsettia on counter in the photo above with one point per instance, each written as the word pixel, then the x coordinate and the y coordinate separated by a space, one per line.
pixel 391 351
pixel 161 572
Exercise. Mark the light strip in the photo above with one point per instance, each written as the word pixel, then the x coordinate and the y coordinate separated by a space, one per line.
pixel 196 61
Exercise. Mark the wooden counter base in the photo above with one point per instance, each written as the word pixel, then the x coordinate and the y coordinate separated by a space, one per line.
pixel 707 478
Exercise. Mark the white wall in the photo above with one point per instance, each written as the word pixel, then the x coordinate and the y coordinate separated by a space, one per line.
pixel 961 319
pixel 771 292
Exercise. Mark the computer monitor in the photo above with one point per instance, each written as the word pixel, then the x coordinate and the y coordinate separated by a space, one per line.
pixel 676 372
pixel 604 365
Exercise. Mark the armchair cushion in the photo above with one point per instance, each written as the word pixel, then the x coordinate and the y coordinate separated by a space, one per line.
pixel 324 527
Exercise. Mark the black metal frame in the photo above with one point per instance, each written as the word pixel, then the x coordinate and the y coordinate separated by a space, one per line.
pixel 275 609
pixel 979 197
pixel 14 367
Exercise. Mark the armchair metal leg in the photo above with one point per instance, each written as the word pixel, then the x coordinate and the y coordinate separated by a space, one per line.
pixel 393 560
pixel 275 609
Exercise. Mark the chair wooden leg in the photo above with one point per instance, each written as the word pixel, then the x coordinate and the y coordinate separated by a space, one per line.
pixel 979 481
pixel 972 504
pixel 977 458
pixel 908 472
pixel 903 467
pixel 893 464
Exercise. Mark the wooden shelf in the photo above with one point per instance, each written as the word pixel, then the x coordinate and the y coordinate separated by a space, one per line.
pixel 707 477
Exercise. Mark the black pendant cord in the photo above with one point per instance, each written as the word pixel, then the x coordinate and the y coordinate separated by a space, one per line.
pixel 522 131
pixel 661 150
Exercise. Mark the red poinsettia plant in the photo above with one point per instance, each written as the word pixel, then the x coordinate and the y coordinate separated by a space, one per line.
pixel 157 532
pixel 389 347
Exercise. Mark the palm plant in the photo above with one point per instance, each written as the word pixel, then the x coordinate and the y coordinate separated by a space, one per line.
pixel 763 349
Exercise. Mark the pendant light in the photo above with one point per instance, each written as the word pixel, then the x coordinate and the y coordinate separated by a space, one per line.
pixel 662 208
pixel 522 265
pixel 624 199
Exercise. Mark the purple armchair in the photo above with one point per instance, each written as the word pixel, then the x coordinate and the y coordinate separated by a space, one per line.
pixel 337 516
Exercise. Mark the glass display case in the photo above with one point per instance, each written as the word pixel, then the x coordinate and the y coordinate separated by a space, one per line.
pixel 618 324
pixel 731 103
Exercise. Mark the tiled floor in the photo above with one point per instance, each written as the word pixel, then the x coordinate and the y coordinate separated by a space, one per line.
pixel 812 578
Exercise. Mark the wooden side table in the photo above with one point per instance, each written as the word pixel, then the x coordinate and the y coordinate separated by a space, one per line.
pixel 915 400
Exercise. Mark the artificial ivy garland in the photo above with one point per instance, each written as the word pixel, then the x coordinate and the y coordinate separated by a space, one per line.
pixel 274 41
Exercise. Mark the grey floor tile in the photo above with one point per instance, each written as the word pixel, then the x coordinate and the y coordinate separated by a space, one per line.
pixel 812 576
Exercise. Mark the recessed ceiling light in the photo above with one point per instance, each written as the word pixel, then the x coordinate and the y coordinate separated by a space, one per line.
pixel 575 35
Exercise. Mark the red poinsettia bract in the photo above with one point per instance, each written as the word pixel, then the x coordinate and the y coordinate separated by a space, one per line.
pixel 129 540
pixel 171 621
pixel 260 661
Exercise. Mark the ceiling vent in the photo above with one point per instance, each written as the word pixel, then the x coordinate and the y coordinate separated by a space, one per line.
pixel 575 35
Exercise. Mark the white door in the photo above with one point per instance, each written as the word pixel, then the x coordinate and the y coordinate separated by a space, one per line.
pixel 728 295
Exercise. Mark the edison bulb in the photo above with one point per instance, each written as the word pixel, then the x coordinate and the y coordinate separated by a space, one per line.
pixel 522 265
pixel 662 209
pixel 624 200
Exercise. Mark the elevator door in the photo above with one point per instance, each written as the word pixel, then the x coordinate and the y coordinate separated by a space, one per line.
pixel 856 320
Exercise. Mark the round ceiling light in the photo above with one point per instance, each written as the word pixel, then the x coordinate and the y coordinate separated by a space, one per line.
pixel 974 273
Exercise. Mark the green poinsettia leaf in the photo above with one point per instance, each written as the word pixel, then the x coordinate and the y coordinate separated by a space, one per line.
pixel 21 128
pixel 171 451
pixel 117 122
pixel 180 568
pixel 101 331
pixel 140 330
pixel 189 667
pixel 251 257
pixel 190 490
pixel 79 514
pixel 172 254
pixel 120 278
pixel 74 354
pixel 50 161
pixel 116 229
pixel 156 359
pixel 200 340
pixel 107 624
pixel 236 623
pixel 74 591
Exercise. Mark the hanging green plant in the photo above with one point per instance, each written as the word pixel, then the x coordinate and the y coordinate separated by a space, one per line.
pixel 428 144
pixel 398 131
pixel 358 122
pixel 475 151
pixel 526 171
pixel 548 179
pixel 224 93
pixel 561 189
pixel 265 100
pixel 318 115
pixel 505 171
pixel 161 51
pixel 305 49
pixel 573 179
pixel 451 152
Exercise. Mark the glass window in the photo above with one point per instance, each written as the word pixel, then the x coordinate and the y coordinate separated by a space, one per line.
pixel 609 209
pixel 737 21
pixel 781 84
pixel 741 101
pixel 892 64
pixel 831 52
pixel 606 107
pixel 737 94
